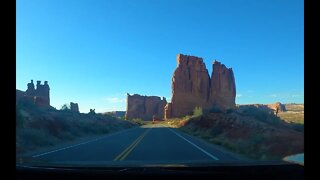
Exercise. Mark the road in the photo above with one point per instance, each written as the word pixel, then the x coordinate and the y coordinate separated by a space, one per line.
pixel 149 144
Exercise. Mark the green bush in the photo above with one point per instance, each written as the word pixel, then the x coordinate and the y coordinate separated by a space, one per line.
pixel 197 112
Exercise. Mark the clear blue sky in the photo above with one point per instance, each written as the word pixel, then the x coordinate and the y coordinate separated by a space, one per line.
pixel 95 51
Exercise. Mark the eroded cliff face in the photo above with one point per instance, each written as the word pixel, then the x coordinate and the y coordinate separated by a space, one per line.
pixel 223 87
pixel 145 107
pixel 192 87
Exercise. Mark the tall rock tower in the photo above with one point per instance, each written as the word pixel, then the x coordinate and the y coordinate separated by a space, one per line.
pixel 223 87
pixel 42 94
pixel 192 87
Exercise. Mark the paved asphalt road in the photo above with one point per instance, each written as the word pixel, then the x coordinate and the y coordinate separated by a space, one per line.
pixel 149 144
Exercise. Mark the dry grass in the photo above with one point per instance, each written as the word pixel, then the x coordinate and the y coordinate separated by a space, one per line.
pixel 294 113
pixel 294 107
pixel 253 135
pixel 292 116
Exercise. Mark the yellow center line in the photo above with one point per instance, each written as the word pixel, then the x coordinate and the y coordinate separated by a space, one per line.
pixel 127 151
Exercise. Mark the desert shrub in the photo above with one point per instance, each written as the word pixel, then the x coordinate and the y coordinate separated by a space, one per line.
pixel 298 127
pixel 92 112
pixel 262 115
pixel 26 104
pixel 197 111
pixel 54 127
pixel 216 131
pixel 187 117
pixel 65 135
pixel 213 110
pixel 138 121
pixel 19 119
pixel 229 111
pixel 256 139
pixel 36 137
pixel 86 127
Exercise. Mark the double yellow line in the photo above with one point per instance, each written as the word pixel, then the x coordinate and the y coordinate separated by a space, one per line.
pixel 127 151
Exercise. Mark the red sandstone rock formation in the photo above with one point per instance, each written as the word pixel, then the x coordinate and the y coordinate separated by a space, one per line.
pixel 223 88
pixel 277 105
pixel 272 108
pixel 40 96
pixel 168 111
pixel 192 87
pixel 144 107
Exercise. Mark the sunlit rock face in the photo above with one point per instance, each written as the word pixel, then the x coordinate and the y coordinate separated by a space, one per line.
pixel 277 107
pixel 145 107
pixel 192 87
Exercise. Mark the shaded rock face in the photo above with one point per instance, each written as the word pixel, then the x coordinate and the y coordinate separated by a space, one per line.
pixel 223 88
pixel 168 110
pixel 40 96
pixel 145 107
pixel 74 107
pixel 192 87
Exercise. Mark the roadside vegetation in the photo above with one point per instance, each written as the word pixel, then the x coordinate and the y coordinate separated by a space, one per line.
pixel 253 133
pixel 44 127
pixel 138 121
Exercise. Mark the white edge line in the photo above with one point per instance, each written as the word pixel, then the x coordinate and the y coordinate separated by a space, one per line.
pixel 204 151
pixel 65 148
pixel 108 135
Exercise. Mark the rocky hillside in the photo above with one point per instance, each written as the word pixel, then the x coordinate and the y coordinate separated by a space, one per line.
pixel 253 133
pixel 39 127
